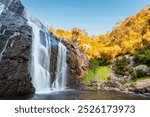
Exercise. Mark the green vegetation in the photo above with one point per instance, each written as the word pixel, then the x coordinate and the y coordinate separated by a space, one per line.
pixel 143 56
pixel 129 37
pixel 121 66
pixel 95 63
pixel 135 81
pixel 140 79
pixel 100 74
pixel 90 76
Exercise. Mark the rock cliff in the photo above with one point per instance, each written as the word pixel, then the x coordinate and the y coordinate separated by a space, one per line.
pixel 15 51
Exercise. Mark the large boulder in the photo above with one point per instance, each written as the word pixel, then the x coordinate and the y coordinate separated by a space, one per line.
pixel 142 87
pixel 141 71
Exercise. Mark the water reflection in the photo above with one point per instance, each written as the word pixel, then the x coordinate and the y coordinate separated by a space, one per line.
pixel 82 95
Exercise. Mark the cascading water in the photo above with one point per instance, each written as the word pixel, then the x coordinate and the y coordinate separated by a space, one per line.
pixel 40 62
pixel 40 59
pixel 61 73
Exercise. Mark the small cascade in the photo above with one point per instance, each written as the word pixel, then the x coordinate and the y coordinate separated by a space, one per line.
pixel 61 73
pixel 40 59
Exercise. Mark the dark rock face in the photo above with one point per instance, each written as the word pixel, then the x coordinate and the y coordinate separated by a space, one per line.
pixel 15 52
pixel 53 61
pixel 78 65
pixel 14 5
pixel 15 47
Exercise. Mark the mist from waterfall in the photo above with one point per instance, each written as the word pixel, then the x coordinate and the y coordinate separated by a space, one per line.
pixel 40 59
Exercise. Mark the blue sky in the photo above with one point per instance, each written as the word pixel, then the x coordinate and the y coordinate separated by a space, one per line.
pixel 95 16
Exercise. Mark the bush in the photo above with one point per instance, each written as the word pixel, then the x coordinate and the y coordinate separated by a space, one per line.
pixel 94 63
pixel 140 74
pixel 121 66
pixel 143 56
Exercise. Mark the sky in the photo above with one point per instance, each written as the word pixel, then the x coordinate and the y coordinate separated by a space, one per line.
pixel 95 16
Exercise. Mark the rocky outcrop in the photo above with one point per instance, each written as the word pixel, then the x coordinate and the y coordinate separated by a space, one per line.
pixel 78 65
pixel 15 47
pixel 15 51
pixel 142 87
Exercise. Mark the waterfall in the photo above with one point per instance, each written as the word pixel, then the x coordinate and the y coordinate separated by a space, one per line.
pixel 40 59
pixel 61 73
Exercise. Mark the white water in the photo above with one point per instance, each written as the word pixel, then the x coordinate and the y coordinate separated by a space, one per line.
pixel 61 73
pixel 1 8
pixel 40 60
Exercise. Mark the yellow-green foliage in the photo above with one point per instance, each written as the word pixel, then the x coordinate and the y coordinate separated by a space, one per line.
pixel 127 37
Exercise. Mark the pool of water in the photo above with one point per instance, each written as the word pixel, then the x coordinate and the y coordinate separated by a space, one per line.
pixel 82 95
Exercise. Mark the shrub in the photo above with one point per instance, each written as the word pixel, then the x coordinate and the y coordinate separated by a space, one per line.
pixel 140 74
pixel 143 56
pixel 128 70
pixel 121 66
pixel 94 63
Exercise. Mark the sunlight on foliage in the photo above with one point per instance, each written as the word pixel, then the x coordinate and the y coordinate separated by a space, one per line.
pixel 126 38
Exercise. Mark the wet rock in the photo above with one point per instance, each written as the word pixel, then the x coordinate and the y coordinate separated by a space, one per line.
pixel 53 62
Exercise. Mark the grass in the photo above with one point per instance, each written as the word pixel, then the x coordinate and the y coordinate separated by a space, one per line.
pixel 135 81
pixel 100 74
pixel 140 79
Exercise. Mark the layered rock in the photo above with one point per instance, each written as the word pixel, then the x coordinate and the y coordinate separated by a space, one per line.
pixel 78 65
pixel 15 47
pixel 142 87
